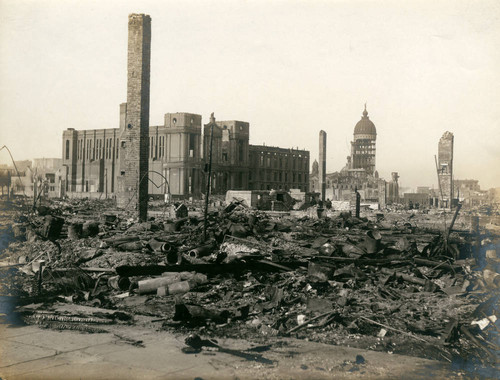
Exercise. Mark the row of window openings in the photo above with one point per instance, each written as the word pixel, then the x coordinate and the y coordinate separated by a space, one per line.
pixel 157 147
pixel 285 155
pixel 294 165
pixel 94 151
pixel 364 152
pixel 280 187
pixel 350 186
pixel 224 155
pixel 98 151
pixel 279 177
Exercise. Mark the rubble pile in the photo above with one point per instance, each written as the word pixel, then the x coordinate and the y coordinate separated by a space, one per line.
pixel 387 281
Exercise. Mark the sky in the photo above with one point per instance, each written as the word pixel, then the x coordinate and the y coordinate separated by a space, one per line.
pixel 289 68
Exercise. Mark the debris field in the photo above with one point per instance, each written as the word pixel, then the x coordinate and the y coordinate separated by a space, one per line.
pixel 398 282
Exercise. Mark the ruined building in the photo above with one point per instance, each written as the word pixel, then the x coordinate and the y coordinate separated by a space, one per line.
pixel 359 172
pixel 393 189
pixel 273 168
pixel 445 169
pixel 137 160
pixel 363 146
pixel 230 154
pixel 469 193
pixel 314 178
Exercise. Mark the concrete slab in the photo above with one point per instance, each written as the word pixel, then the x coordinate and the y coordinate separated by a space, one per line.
pixel 14 353
pixel 7 331
pixel 62 341
pixel 107 348
pixel 216 368
pixel 31 366
pixel 101 371
pixel 164 356
pixel 105 356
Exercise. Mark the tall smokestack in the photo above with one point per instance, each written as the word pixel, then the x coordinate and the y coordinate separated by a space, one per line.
pixel 134 141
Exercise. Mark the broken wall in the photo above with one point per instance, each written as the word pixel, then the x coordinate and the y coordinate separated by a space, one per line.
pixel 445 169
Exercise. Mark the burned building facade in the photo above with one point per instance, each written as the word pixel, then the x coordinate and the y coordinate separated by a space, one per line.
pixel 230 154
pixel 174 156
pixel 176 159
pixel 273 168
pixel 469 193
pixel 137 160
pixel 342 185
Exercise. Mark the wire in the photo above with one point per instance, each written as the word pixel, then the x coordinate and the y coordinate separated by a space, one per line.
pixel 144 176
pixel 14 163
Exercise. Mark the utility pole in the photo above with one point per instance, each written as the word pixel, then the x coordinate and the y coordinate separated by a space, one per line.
pixel 207 194
pixel 358 202
pixel 439 181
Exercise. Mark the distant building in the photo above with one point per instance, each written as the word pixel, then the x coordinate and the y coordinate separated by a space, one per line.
pixel 314 178
pixel 417 200
pixel 45 164
pixel 469 193
pixel 359 172
pixel 393 189
pixel 363 148
pixel 423 190
pixel 494 195
pixel 340 186
pixel 273 168
pixel 40 176
pixel 466 185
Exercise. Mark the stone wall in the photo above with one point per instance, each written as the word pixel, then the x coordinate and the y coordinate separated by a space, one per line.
pixel 445 169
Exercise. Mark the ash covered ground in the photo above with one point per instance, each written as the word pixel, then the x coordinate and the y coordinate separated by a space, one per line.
pixel 392 281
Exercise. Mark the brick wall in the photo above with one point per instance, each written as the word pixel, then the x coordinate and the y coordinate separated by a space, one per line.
pixel 134 140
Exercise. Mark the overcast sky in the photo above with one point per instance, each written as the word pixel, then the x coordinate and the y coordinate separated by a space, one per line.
pixel 289 68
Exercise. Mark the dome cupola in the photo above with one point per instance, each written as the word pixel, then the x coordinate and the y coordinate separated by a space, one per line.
pixel 365 127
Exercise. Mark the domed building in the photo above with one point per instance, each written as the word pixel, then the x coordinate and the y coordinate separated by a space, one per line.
pixel 359 173
pixel 363 147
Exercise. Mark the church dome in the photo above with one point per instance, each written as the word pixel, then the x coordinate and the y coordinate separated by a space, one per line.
pixel 365 126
